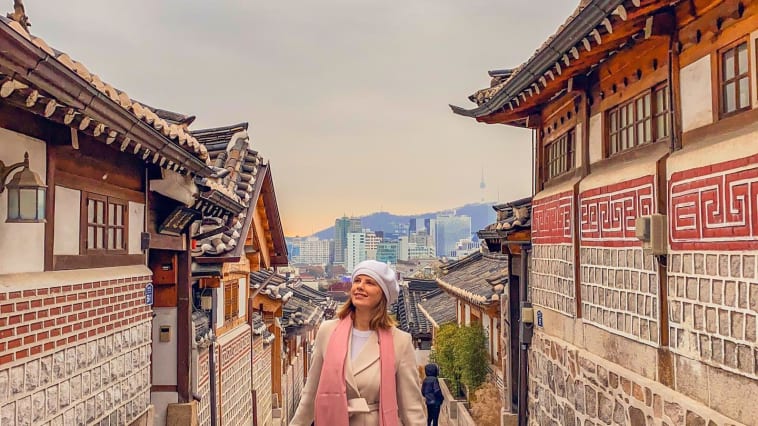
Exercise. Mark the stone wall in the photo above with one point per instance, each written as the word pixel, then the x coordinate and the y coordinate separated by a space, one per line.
pixel 552 277
pixel 620 291
pixel 262 380
pixel 203 387
pixel 571 387
pixel 552 260
pixel 75 352
pixel 234 384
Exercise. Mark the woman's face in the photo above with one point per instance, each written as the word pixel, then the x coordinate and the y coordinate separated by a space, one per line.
pixel 365 292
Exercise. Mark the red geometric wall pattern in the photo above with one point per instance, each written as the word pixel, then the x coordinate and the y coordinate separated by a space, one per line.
pixel 608 213
pixel 715 207
pixel 551 219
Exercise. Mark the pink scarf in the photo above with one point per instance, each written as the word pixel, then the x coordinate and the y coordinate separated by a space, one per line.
pixel 331 396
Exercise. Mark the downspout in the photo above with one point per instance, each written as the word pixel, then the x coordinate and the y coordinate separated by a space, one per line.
pixel 526 329
pixel 212 367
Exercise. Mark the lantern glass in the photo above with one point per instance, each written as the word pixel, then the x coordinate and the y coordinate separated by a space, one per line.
pixel 13 205
pixel 27 203
pixel 41 204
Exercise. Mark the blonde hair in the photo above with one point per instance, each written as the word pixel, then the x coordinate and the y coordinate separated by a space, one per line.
pixel 380 319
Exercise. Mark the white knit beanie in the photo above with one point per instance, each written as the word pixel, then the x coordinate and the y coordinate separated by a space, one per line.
pixel 382 274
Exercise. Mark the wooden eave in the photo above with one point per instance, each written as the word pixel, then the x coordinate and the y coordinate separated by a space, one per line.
pixel 570 70
pixel 279 254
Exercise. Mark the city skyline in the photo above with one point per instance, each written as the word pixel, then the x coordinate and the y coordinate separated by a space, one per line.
pixel 361 126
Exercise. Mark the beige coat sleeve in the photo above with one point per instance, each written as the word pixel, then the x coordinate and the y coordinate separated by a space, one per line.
pixel 304 414
pixel 409 399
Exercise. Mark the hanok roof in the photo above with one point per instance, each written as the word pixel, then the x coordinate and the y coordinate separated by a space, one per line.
pixel 511 217
pixel 247 177
pixel 270 284
pixel 438 308
pixel 596 30
pixel 47 82
pixel 406 309
pixel 260 329
pixel 478 278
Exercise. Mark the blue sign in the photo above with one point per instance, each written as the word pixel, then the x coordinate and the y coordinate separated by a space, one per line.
pixel 149 294
pixel 539 318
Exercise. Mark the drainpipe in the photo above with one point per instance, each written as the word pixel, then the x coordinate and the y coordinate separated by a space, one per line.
pixel 212 367
pixel 526 329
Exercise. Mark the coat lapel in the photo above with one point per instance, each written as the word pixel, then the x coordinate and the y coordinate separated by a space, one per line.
pixel 367 356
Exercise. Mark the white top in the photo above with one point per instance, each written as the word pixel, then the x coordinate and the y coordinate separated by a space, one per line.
pixel 357 342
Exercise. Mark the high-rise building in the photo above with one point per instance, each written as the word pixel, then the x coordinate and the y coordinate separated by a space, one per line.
pixel 342 227
pixel 449 229
pixel 386 251
pixel 402 248
pixel 355 250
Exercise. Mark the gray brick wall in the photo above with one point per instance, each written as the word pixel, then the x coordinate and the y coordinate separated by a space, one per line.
pixel 713 305
pixel 620 291
pixel 552 277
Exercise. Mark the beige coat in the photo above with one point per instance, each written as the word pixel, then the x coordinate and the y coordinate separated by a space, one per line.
pixel 362 376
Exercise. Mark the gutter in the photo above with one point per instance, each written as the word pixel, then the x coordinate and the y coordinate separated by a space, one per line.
pixel 590 17
pixel 42 70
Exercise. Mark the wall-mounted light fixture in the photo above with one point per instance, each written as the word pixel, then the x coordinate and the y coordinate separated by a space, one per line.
pixel 26 193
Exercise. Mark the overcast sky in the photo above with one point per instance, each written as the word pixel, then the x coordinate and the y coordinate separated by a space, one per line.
pixel 348 99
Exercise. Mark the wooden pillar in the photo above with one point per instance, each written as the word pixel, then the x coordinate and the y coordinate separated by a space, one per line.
pixel 184 323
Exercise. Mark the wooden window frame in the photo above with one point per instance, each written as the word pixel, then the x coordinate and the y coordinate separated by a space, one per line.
pixel 231 300
pixel 613 146
pixel 719 83
pixel 565 161
pixel 106 225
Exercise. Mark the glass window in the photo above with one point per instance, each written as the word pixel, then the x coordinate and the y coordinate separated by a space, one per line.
pixel 560 154
pixel 106 226
pixel 643 119
pixel 734 80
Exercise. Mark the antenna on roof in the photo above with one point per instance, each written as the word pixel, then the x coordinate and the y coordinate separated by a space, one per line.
pixel 19 14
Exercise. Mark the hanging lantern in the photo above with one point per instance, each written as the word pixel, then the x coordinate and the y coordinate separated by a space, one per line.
pixel 26 193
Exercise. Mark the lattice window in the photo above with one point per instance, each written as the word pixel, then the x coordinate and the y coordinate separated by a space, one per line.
pixel 734 79
pixel 640 120
pixel 104 224
pixel 560 154
pixel 231 300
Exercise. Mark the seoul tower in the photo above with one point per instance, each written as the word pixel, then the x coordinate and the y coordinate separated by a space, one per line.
pixel 482 185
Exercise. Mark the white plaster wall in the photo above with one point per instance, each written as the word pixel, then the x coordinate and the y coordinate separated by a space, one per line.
pixel 753 64
pixel 643 166
pixel 67 212
pixel 136 226
pixel 468 315
pixel 242 298
pixel 715 149
pixel 578 156
pixel 164 353
pixel 160 401
pixel 22 244
pixel 696 90
pixel 218 309
pixel 596 138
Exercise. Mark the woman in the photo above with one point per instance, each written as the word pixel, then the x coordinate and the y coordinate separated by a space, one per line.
pixel 363 370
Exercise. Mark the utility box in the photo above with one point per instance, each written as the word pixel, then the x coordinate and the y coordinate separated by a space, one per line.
pixel 652 230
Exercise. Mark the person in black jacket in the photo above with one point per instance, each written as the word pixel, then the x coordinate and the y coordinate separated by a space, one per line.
pixel 432 394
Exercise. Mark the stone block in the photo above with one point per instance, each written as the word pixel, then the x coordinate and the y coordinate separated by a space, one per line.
pixel 687 267
pixel 605 409
pixel 754 297
pixel 730 354
pixel 711 264
pixel 674 412
pixel 693 419
pixel 24 411
pixel 724 327
pixel 675 311
pixel 4 384
pixel 688 377
pixel 676 263
pixel 699 263
pixel 636 417
pixel 699 317
pixel 742 294
pixel 717 350
pixel 730 293
pixel 8 414
pixel 591 401
pixel 733 395
pixel 711 320
pixel 735 262
pixel 745 361
pixel 750 328
pixel 705 346
pixel 724 265
pixel 38 406
pixel 738 325
pixel 748 266
pixel 51 396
